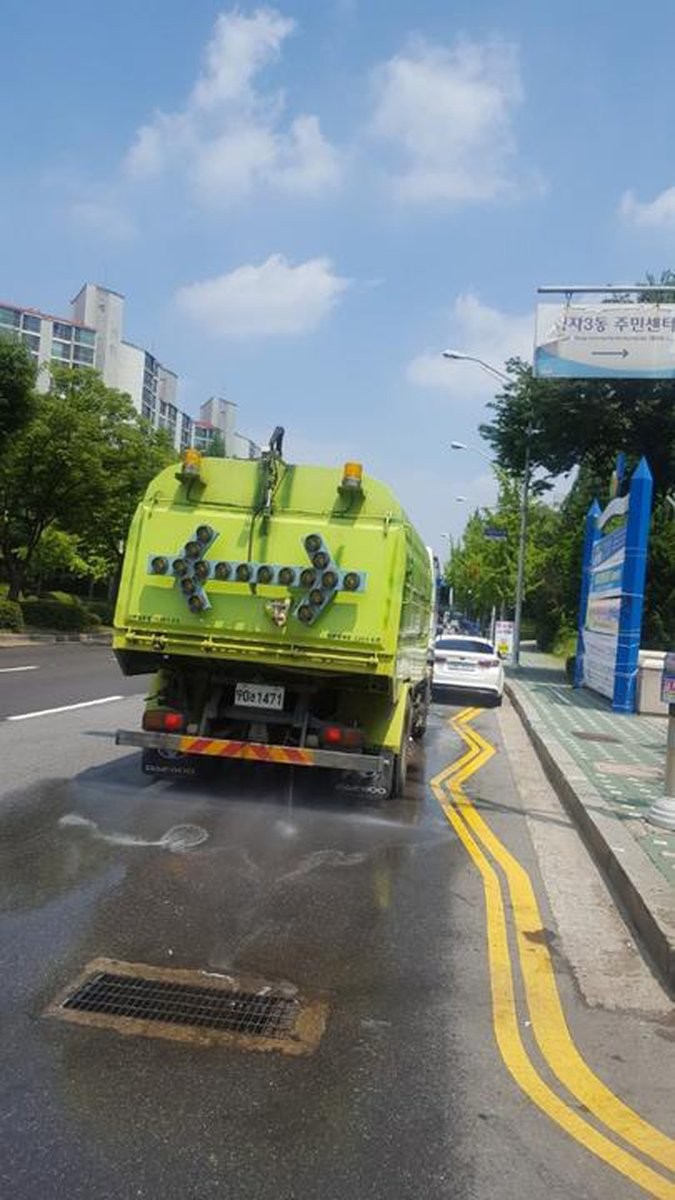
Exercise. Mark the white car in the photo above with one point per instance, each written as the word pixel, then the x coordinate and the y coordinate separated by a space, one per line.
pixel 468 664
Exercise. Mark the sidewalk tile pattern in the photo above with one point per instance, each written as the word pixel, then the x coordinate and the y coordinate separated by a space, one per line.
pixel 626 762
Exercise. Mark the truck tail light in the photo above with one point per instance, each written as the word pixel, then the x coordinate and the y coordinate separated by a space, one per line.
pixel 162 720
pixel 346 737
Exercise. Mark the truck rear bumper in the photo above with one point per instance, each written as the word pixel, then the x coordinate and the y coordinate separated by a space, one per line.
pixel 252 751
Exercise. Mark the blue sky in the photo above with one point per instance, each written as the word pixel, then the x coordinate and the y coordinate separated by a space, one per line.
pixel 304 203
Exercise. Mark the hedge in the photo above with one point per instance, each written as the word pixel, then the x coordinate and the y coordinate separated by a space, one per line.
pixel 54 614
pixel 63 598
pixel 11 616
pixel 102 609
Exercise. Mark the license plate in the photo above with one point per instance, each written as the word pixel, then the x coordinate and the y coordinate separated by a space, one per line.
pixel 259 695
pixel 458 666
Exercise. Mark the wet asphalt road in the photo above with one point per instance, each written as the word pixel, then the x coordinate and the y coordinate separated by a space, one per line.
pixel 374 908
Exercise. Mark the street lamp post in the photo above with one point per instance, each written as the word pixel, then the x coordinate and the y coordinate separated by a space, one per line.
pixel 456 356
pixel 522 543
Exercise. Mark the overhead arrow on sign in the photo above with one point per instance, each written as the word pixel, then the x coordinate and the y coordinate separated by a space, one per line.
pixel 610 353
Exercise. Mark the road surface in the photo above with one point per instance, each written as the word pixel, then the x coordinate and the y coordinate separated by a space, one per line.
pixel 442 1071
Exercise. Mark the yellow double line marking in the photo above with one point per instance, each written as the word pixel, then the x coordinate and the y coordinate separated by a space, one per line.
pixel 543 1001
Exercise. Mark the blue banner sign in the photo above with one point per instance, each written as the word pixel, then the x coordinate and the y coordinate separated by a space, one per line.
pixel 612 591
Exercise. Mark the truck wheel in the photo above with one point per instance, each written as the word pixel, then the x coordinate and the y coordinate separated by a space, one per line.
pixel 399 772
pixel 419 725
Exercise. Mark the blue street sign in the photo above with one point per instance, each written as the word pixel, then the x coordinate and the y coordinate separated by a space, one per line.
pixel 612 593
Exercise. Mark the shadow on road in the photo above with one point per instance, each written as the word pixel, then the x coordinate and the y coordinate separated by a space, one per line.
pixel 462 698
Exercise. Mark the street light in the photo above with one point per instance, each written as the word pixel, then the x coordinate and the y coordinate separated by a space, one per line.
pixel 474 449
pixel 457 356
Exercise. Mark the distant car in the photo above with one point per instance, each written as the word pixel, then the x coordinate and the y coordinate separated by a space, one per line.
pixel 467 664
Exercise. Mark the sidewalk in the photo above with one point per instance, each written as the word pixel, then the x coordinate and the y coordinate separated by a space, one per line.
pixel 30 637
pixel 608 769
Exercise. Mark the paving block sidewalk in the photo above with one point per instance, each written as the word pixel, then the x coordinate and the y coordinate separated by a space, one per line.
pixel 608 768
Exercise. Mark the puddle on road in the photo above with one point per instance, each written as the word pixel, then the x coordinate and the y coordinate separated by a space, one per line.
pixel 178 838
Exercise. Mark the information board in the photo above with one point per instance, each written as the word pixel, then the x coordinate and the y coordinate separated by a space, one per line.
pixel 612 592
pixel 608 341
pixel 504 640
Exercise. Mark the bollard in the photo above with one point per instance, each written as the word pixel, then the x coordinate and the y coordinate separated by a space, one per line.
pixel 662 812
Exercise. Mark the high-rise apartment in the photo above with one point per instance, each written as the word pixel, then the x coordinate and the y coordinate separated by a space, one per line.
pixel 129 368
pixel 93 337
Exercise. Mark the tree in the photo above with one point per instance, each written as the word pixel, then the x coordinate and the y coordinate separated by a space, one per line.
pixel 132 454
pixel 81 463
pixel 583 424
pixel 217 446
pixel 17 383
pixel 50 473
pixel 587 421
pixel 57 553
pixel 483 571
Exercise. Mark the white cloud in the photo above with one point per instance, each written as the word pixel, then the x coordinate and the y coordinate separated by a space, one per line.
pixel 230 135
pixel 257 301
pixel 655 214
pixel 104 217
pixel 306 162
pixel 483 332
pixel 448 115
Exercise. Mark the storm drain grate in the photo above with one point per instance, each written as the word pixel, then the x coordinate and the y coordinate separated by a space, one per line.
pixel 192 1006
pixel 595 737
pixel 183 1004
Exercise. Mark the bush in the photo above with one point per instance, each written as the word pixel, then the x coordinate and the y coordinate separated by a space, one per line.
pixel 11 616
pixel 54 614
pixel 570 667
pixel 548 628
pixel 103 610
pixel 63 598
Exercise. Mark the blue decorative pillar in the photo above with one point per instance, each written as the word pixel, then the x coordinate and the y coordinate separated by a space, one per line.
pixel 632 588
pixel 591 536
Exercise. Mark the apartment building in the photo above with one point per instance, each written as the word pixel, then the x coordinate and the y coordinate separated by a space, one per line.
pixel 93 336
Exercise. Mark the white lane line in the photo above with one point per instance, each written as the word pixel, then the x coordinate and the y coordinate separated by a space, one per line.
pixel 6 670
pixel 47 712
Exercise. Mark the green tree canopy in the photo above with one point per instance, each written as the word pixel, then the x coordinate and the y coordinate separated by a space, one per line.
pixel 17 383
pixel 483 572
pixel 81 463
pixel 584 421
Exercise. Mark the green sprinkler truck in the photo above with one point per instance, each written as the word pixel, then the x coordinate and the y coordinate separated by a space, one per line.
pixel 286 614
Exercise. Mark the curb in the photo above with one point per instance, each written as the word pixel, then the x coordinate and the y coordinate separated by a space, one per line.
pixel 644 896
pixel 7 640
